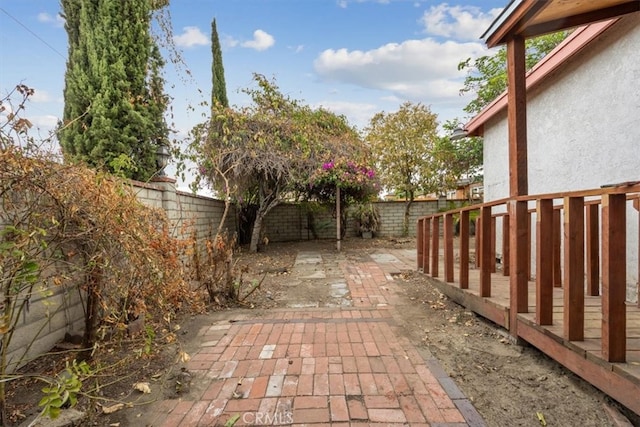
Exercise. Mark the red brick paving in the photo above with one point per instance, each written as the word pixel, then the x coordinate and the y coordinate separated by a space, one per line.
pixel 321 366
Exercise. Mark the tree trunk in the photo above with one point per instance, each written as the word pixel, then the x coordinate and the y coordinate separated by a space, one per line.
pixel 269 199
pixel 257 229
pixel 94 278
pixel 338 219
pixel 407 212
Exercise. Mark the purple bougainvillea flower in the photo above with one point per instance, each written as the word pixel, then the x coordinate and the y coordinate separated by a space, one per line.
pixel 327 166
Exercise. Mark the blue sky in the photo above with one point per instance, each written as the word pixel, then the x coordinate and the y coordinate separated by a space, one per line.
pixel 353 57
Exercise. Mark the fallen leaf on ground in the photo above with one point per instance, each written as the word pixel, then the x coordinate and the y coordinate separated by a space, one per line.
pixel 543 422
pixel 113 408
pixel 143 387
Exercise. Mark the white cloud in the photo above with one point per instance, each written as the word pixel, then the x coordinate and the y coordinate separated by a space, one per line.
pixel 458 22
pixel 229 41
pixel 40 96
pixel 46 122
pixel 420 70
pixel 358 113
pixel 190 37
pixel 56 20
pixel 297 49
pixel 261 41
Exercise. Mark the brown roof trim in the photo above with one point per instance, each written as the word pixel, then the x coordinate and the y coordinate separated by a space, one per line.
pixel 573 44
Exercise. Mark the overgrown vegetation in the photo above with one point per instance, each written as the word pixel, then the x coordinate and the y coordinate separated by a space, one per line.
pixel 67 231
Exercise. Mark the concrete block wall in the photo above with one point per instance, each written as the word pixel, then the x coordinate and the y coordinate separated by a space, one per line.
pixel 289 222
pixel 284 223
pixel 45 323
pixel 392 215
pixel 293 222
pixel 148 194
pixel 204 214
pixel 186 211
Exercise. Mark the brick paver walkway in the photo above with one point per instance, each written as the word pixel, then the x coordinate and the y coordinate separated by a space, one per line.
pixel 338 366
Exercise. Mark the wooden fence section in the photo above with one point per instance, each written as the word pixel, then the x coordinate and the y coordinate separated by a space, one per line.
pixel 556 270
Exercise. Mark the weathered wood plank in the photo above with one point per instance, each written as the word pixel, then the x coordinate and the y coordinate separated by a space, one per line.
pixel 448 247
pixel 518 279
pixel 557 241
pixel 435 245
pixel 478 240
pixel 426 236
pixel 505 245
pixel 420 243
pixel 529 234
pixel 614 271
pixel 464 250
pixel 485 250
pixel 636 205
pixel 574 268
pixel 544 262
pixel 493 244
pixel 593 249
pixel 517 116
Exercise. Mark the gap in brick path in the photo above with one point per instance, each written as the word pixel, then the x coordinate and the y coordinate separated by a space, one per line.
pixel 316 281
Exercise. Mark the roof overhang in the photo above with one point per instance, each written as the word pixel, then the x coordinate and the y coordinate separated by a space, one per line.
pixel 571 46
pixel 530 18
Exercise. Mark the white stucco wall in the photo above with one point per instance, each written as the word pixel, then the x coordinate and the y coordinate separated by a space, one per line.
pixel 583 127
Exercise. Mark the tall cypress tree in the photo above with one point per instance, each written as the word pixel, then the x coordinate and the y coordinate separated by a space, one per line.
pixel 114 115
pixel 219 87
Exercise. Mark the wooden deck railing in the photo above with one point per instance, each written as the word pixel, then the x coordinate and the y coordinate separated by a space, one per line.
pixel 574 240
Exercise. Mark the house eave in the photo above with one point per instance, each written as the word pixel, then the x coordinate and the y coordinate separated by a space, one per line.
pixel 531 18
pixel 573 44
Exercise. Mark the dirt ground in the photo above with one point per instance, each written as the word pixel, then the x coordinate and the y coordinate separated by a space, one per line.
pixel 509 385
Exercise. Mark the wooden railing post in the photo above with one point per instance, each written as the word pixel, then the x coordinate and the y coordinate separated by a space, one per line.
pixel 493 244
pixel 420 242
pixel 614 274
pixel 505 245
pixel 485 252
pixel 544 262
pixel 448 247
pixel 518 280
pixel 478 248
pixel 593 250
pixel 557 241
pixel 529 234
pixel 574 268
pixel 636 205
pixel 426 235
pixel 464 250
pixel 435 245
